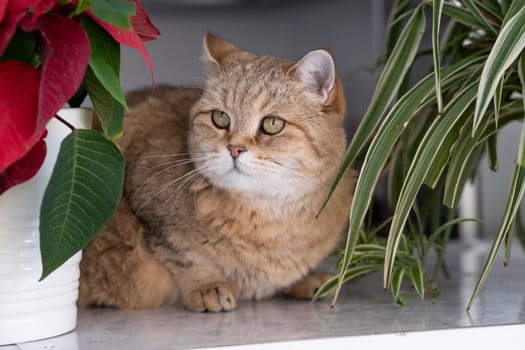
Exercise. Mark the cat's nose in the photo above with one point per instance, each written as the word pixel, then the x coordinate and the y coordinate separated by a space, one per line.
pixel 236 150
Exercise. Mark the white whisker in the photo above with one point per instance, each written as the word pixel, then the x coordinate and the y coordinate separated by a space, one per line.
pixel 165 186
pixel 173 155
pixel 295 172
pixel 174 196
pixel 177 162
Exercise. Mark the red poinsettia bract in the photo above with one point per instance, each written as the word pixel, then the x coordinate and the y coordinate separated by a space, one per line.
pixel 29 96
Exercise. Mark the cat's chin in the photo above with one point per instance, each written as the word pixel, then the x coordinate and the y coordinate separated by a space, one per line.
pixel 242 184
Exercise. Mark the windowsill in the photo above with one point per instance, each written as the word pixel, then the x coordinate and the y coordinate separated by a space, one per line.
pixel 364 315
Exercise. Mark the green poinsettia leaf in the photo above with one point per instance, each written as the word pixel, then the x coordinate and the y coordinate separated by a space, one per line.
pixel 82 5
pixel 116 12
pixel 78 98
pixel 110 112
pixel 103 46
pixel 104 59
pixel 82 194
pixel 21 47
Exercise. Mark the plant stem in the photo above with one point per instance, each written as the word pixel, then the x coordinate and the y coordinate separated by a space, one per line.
pixel 65 122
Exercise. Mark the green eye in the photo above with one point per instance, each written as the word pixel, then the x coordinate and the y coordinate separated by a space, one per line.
pixel 220 119
pixel 272 125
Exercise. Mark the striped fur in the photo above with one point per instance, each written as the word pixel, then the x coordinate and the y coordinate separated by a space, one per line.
pixel 193 228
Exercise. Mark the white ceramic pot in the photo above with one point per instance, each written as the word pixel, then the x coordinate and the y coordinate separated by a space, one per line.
pixel 31 310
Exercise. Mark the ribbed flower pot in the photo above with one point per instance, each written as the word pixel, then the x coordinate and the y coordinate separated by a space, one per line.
pixel 29 309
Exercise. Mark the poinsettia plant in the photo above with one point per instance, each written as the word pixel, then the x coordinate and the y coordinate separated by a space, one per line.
pixel 54 53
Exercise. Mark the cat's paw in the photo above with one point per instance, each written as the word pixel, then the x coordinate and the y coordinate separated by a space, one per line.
pixel 214 297
pixel 308 286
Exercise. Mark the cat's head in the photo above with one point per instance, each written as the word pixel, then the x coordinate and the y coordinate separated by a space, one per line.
pixel 266 126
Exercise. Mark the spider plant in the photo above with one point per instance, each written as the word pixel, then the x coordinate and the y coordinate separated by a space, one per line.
pixel 411 259
pixel 432 133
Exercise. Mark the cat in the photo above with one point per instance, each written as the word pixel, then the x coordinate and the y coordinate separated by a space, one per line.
pixel 223 185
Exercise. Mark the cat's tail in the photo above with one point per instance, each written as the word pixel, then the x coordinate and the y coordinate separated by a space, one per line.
pixel 118 270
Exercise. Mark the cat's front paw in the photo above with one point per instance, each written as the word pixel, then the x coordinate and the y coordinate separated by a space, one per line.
pixel 308 286
pixel 214 297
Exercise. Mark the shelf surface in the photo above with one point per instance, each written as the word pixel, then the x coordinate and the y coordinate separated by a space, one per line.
pixel 363 309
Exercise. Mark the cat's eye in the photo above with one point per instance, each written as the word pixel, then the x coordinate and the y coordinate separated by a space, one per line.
pixel 220 119
pixel 272 125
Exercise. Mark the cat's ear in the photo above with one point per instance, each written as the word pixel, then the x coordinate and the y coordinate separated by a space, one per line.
pixel 216 48
pixel 317 71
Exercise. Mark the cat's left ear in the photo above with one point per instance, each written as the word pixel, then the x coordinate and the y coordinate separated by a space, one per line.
pixel 317 70
pixel 216 48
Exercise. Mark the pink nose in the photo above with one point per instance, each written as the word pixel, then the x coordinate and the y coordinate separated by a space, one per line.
pixel 236 150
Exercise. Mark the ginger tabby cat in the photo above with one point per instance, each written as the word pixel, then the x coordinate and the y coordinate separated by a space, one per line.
pixel 223 186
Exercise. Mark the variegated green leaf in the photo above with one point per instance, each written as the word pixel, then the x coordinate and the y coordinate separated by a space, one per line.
pixel 460 15
pixel 394 25
pixel 478 16
pixel 458 170
pixel 383 142
pixel 437 134
pixel 467 169
pixel 508 45
pixel 513 112
pixel 397 281
pixel 505 5
pixel 436 22
pixel 370 248
pixel 521 73
pixel 519 225
pixel 418 280
pixel 433 236
pixel 386 89
pixel 497 100
pixel 395 175
pixel 512 9
pixel 508 244
pixel 390 80
pixel 351 274
pixel 492 151
pixel 442 158
pixel 404 247
pixel 517 188
pixel 492 9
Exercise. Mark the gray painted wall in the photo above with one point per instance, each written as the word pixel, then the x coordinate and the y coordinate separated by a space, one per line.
pixel 352 30
pixel 494 187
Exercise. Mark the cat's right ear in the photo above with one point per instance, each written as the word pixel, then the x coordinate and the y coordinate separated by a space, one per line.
pixel 317 71
pixel 216 48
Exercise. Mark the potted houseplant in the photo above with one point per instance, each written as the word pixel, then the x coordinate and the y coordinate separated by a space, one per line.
pixel 434 134
pixel 54 52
